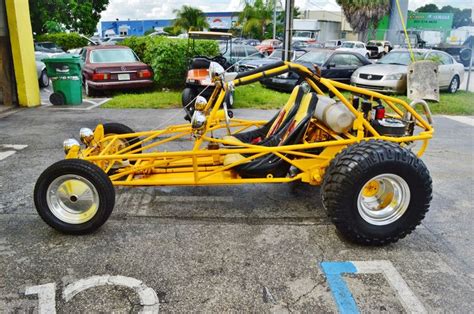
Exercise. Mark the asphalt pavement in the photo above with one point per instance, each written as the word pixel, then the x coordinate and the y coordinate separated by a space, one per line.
pixel 259 248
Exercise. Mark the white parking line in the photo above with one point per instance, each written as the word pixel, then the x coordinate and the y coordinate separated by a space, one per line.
pixel 8 153
pixel 462 119
pixel 408 298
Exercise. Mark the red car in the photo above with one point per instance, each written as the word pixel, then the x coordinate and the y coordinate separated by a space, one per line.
pixel 268 45
pixel 113 67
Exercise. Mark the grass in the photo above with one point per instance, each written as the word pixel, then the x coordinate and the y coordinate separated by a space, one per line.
pixel 257 97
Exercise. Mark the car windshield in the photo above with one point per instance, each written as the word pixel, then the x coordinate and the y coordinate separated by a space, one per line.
pixel 315 57
pixel 399 57
pixel 276 54
pixel 113 56
pixel 330 44
pixel 347 45
pixel 49 45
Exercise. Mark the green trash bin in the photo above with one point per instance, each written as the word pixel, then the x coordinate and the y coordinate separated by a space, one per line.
pixel 65 72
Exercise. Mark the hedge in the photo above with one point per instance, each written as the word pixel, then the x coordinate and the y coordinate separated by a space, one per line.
pixel 64 40
pixel 169 56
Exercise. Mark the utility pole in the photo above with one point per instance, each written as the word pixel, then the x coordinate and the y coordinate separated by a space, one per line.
pixel 289 5
pixel 274 18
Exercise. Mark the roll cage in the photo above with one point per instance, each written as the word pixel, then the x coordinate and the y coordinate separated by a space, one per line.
pixel 148 162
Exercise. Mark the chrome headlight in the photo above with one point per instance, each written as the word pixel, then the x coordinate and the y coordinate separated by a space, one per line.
pixel 86 135
pixel 70 143
pixel 198 121
pixel 200 103
pixel 394 77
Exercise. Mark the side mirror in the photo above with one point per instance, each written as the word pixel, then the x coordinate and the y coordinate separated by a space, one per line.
pixel 331 65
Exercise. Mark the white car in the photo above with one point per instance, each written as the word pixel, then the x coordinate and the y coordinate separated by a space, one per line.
pixel 354 46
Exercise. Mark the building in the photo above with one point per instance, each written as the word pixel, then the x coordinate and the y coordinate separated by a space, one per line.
pixel 218 21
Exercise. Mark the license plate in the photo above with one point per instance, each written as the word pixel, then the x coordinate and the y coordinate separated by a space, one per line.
pixel 124 77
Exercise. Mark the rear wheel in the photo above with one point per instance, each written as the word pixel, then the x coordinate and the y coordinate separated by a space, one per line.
pixel 90 92
pixel 376 192
pixel 454 85
pixel 74 196
pixel 44 79
pixel 111 129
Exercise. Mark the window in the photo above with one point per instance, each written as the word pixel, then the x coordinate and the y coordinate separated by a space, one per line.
pixel 345 60
pixel 252 51
pixel 238 52
pixel 360 46
pixel 112 56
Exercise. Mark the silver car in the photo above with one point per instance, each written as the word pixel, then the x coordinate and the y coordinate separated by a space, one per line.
pixel 389 74
pixel 43 78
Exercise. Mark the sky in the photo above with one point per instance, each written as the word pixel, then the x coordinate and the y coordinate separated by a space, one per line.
pixel 163 9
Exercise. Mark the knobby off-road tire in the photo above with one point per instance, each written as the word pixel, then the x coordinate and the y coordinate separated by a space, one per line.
pixel 74 196
pixel 117 129
pixel 370 171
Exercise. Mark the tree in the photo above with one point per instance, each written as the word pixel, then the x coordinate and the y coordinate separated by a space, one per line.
pixel 74 15
pixel 362 14
pixel 431 8
pixel 190 19
pixel 255 18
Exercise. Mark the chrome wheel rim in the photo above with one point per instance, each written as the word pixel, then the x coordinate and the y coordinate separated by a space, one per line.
pixel 454 85
pixel 72 199
pixel 383 199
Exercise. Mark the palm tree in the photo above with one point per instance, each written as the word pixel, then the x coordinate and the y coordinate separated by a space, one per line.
pixel 255 17
pixel 190 19
pixel 361 14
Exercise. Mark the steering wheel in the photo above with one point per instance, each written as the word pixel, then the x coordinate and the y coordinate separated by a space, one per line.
pixel 221 60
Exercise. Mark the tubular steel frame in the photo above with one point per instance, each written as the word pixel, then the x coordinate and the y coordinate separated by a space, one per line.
pixel 204 166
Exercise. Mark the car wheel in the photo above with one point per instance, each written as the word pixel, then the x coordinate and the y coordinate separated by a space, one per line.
pixel 44 79
pixel 376 192
pixel 454 85
pixel 113 128
pixel 74 196
pixel 90 92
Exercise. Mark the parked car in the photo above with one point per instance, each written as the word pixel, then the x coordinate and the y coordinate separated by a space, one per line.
pixel 389 74
pixel 43 78
pixel 240 52
pixel 277 55
pixel 334 64
pixel 462 53
pixel 113 67
pixel 48 47
pixel 268 45
pixel 335 43
pixel 354 46
pixel 251 42
pixel 113 41
pixel 378 48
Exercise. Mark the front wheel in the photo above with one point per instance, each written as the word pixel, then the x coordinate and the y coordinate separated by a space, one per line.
pixel 376 192
pixel 74 196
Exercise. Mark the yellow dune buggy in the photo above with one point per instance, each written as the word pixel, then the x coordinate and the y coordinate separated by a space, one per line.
pixel 357 144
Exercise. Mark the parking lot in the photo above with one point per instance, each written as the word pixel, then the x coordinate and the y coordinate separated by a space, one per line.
pixel 227 248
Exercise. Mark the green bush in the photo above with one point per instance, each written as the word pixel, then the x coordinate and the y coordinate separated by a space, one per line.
pixel 64 40
pixel 169 56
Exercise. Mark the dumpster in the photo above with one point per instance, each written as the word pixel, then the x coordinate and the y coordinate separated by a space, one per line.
pixel 65 72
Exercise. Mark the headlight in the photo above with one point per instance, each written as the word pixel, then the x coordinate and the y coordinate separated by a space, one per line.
pixel 394 77
pixel 86 135
pixel 198 121
pixel 284 75
pixel 200 103
pixel 70 143
pixel 355 75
